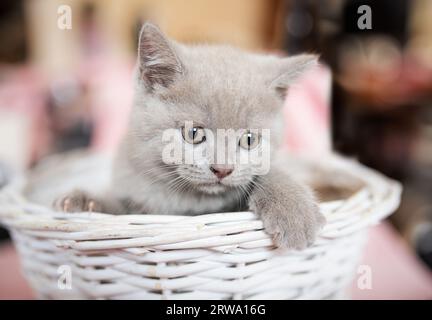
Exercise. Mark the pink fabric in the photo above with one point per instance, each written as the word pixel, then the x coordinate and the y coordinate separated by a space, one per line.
pixel 12 283
pixel 396 272
pixel 307 114
pixel 110 82
pixel 24 92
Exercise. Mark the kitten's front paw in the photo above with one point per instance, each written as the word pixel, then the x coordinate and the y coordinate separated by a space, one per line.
pixel 77 201
pixel 293 224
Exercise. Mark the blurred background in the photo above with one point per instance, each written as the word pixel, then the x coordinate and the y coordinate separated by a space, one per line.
pixel 66 84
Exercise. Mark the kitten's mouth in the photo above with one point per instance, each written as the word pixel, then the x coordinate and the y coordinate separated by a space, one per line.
pixel 211 187
pixel 209 184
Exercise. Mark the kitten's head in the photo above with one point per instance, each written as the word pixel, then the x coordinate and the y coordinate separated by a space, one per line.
pixel 186 96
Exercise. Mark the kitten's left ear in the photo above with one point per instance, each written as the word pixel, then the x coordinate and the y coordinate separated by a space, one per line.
pixel 290 69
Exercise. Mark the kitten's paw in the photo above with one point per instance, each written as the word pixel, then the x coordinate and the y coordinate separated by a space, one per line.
pixel 77 201
pixel 292 225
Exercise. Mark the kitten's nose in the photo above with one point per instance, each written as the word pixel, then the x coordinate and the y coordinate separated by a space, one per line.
pixel 221 171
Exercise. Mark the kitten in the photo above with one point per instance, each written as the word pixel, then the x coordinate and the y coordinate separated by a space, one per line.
pixel 193 91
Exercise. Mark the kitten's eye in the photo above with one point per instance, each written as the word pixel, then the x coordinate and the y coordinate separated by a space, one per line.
pixel 249 140
pixel 194 135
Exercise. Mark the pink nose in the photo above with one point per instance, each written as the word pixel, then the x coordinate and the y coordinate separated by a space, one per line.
pixel 221 171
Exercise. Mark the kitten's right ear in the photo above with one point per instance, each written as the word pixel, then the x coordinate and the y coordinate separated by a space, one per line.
pixel 158 62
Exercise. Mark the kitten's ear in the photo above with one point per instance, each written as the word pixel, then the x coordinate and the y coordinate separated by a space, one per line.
pixel 158 62
pixel 289 70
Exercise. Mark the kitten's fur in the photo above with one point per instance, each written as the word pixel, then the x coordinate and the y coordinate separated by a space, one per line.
pixel 218 87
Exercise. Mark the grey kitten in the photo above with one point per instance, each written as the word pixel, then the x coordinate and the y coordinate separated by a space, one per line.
pixel 212 87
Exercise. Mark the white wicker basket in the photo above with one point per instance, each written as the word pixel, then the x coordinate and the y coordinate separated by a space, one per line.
pixel 214 256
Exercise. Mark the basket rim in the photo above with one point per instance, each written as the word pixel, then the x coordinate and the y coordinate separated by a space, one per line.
pixel 377 199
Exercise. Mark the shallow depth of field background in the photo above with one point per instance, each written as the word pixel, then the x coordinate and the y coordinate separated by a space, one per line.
pixel 63 89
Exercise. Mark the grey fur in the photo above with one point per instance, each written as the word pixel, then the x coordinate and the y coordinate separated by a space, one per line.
pixel 216 87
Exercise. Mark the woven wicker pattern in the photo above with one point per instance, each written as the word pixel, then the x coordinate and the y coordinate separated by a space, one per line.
pixel 215 256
